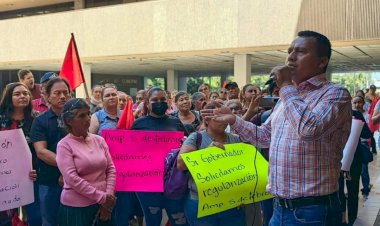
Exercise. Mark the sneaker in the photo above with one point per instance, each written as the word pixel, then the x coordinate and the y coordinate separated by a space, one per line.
pixel 365 197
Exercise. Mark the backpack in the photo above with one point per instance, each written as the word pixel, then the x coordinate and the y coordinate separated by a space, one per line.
pixel 175 181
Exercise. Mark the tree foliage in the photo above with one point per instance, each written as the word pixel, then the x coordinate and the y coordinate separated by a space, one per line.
pixel 353 81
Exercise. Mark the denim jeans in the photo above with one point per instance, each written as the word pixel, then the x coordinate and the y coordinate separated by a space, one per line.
pixel 50 201
pixel 152 204
pixel 365 179
pixel 267 209
pixel 127 206
pixel 33 211
pixel 235 217
pixel 312 215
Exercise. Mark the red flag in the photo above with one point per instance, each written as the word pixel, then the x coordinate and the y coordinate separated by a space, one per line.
pixel 373 127
pixel 224 84
pixel 71 68
pixel 126 119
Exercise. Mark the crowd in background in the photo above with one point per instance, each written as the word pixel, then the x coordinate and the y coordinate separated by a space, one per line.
pixel 74 176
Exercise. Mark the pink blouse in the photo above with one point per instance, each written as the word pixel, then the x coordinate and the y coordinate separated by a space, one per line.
pixel 87 170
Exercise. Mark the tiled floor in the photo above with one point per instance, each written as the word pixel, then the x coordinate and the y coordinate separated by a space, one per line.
pixel 369 209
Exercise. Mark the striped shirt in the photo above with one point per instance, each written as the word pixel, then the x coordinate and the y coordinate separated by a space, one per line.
pixel 306 134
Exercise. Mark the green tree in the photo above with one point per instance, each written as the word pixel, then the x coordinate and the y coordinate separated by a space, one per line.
pixel 352 81
pixel 259 80
pixel 156 81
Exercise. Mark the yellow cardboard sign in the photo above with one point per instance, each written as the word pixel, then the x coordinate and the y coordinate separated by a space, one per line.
pixel 228 178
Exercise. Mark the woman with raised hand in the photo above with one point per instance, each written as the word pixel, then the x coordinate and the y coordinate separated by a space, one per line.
pixel 248 94
pixel 152 203
pixel 87 169
pixel 16 112
pixel 189 118
pixel 214 135
pixel 46 132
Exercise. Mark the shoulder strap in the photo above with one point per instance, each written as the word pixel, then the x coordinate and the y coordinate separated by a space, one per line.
pixel 199 139
pixel 197 115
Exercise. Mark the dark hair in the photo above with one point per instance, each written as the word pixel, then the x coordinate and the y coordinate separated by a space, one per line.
pixel 179 94
pixel 362 98
pixel 71 108
pixel 53 81
pixel 6 104
pixel 360 91
pixel 108 86
pixel 214 92
pixel 242 93
pixel 22 73
pixel 148 95
pixel 204 84
pixel 323 47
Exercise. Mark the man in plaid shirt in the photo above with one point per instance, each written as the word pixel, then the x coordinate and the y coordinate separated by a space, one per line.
pixel 306 134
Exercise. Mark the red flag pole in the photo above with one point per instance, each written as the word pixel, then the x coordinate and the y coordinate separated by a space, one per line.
pixel 80 67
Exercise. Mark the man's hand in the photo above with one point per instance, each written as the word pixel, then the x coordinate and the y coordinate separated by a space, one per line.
pixel 222 114
pixel 282 75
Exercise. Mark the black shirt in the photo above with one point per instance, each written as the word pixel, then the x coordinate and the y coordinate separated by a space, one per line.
pixel 45 128
pixel 166 123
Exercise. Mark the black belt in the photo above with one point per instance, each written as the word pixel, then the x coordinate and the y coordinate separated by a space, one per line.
pixel 306 201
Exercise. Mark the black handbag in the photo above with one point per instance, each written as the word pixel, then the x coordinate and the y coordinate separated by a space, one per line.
pixel 365 154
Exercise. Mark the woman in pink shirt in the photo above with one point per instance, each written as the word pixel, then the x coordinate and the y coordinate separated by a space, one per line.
pixel 87 169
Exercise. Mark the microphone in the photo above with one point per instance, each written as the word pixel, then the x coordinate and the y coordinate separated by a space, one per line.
pixel 271 83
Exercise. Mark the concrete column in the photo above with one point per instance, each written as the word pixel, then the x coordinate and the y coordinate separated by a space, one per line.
pixel 79 4
pixel 242 69
pixel 79 92
pixel 182 85
pixel 172 80
pixel 145 82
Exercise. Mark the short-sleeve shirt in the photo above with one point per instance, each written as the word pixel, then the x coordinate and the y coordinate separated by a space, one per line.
pixel 193 126
pixel 206 141
pixel 166 123
pixel 106 121
pixel 36 91
pixel 377 106
pixel 46 128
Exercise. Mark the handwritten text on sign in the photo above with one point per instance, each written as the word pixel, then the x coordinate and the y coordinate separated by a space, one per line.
pixel 227 178
pixel 16 189
pixel 139 157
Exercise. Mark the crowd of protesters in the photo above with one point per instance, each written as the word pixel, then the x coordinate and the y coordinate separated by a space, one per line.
pixel 299 121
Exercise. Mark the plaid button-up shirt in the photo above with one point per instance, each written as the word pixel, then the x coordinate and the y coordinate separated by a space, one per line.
pixel 306 134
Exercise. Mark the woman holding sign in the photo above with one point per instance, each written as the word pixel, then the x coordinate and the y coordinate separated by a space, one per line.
pixel 87 169
pixel 127 205
pixel 152 203
pixel 16 113
pixel 214 135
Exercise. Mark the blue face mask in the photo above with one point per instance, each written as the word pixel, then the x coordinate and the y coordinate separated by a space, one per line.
pixel 159 108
